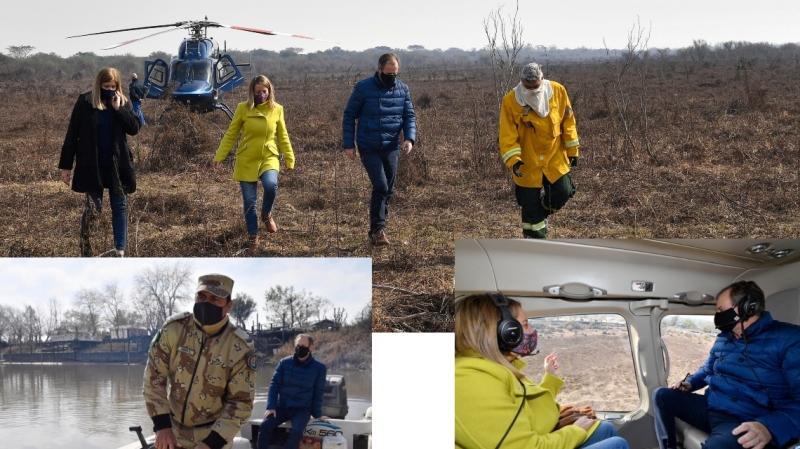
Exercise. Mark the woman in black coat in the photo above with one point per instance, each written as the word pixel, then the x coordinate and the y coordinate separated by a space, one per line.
pixel 97 145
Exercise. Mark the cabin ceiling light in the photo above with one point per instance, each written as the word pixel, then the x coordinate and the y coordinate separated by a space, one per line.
pixel 781 253
pixel 758 248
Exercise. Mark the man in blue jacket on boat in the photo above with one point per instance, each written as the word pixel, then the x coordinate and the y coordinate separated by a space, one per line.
pixel 295 393
pixel 753 379
pixel 382 106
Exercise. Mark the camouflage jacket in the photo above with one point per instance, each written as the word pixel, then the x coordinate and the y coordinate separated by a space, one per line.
pixel 200 380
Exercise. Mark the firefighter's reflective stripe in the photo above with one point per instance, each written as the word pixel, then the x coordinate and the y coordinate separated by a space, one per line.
pixel 551 209
pixel 511 153
pixel 571 143
pixel 534 227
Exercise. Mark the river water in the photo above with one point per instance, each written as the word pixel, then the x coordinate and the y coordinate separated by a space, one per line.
pixel 91 406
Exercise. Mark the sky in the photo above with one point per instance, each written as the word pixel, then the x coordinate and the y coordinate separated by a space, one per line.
pixel 345 282
pixel 361 24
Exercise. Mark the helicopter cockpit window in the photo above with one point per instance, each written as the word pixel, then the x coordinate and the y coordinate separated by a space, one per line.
pixel 202 70
pixel 186 71
pixel 595 358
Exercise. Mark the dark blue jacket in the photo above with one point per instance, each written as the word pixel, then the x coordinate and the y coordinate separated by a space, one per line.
pixel 297 384
pixel 382 112
pixel 774 351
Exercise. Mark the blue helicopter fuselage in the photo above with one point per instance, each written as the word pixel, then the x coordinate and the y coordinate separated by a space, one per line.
pixel 196 76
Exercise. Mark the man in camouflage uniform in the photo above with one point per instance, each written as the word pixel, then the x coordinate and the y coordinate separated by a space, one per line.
pixel 201 372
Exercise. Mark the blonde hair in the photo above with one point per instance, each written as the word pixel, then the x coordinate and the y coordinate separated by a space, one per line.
pixel 264 81
pixel 103 76
pixel 476 329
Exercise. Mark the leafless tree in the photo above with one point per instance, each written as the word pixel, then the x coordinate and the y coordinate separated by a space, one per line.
pixel 293 307
pixel 636 48
pixel 5 320
pixel 114 307
pixel 89 302
pixel 364 317
pixel 505 43
pixel 159 291
pixel 32 325
pixel 339 316
pixel 53 320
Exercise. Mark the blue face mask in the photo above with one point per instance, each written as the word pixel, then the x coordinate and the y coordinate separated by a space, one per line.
pixel 107 94
pixel 528 344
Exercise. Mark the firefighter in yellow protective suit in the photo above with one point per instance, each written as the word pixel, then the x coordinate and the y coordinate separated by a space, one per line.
pixel 201 372
pixel 539 143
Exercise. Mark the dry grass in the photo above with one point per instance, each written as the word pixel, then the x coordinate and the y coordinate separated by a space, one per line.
pixel 723 162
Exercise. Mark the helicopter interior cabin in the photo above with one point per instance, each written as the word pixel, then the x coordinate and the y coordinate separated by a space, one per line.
pixel 626 317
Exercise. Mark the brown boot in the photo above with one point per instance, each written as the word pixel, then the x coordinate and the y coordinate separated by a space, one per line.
pixel 269 223
pixel 378 238
pixel 252 242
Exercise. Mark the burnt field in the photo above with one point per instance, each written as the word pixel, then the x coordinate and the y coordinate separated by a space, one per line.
pixel 667 150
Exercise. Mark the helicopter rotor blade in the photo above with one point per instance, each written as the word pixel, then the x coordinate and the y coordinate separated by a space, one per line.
pixel 272 33
pixel 132 29
pixel 138 39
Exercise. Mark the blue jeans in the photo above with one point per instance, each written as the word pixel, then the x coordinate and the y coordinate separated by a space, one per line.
pixel 269 180
pixel 119 218
pixel 381 168
pixel 137 109
pixel 605 437
pixel 299 418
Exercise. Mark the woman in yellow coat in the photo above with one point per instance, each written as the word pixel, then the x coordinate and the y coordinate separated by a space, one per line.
pixel 263 129
pixel 496 405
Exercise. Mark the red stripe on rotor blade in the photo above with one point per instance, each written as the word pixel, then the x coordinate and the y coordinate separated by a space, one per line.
pixel 302 37
pixel 254 30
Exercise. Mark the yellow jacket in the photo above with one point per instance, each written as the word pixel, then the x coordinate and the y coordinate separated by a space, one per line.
pixel 542 143
pixel 257 150
pixel 488 396
pixel 200 380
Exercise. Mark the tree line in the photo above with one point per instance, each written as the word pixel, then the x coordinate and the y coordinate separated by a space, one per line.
pixel 20 62
pixel 159 292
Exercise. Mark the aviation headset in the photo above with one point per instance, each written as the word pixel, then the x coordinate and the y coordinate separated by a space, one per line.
pixel 749 305
pixel 509 330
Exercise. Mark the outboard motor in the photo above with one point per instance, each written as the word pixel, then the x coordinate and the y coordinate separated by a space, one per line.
pixel 334 400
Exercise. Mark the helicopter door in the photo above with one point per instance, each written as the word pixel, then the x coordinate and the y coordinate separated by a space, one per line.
pixel 226 74
pixel 157 77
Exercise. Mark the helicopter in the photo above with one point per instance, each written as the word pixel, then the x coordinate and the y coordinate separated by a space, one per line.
pixel 200 72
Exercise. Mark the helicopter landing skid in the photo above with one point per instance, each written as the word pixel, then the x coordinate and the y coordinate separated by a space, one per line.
pixel 225 109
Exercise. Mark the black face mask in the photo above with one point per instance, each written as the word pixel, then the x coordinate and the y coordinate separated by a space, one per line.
pixel 388 79
pixel 726 320
pixel 107 94
pixel 302 351
pixel 207 313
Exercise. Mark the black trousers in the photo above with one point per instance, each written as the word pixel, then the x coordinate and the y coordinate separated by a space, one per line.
pixel 538 203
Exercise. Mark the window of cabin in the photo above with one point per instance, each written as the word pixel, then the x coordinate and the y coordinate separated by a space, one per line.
pixel 688 339
pixel 594 357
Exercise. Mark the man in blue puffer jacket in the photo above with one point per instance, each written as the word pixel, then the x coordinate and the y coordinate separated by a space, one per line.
pixel 295 393
pixel 382 106
pixel 753 379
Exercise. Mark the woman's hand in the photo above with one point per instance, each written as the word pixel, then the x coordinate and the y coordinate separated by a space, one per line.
pixel 66 176
pixel 115 101
pixel 551 364
pixel 584 422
